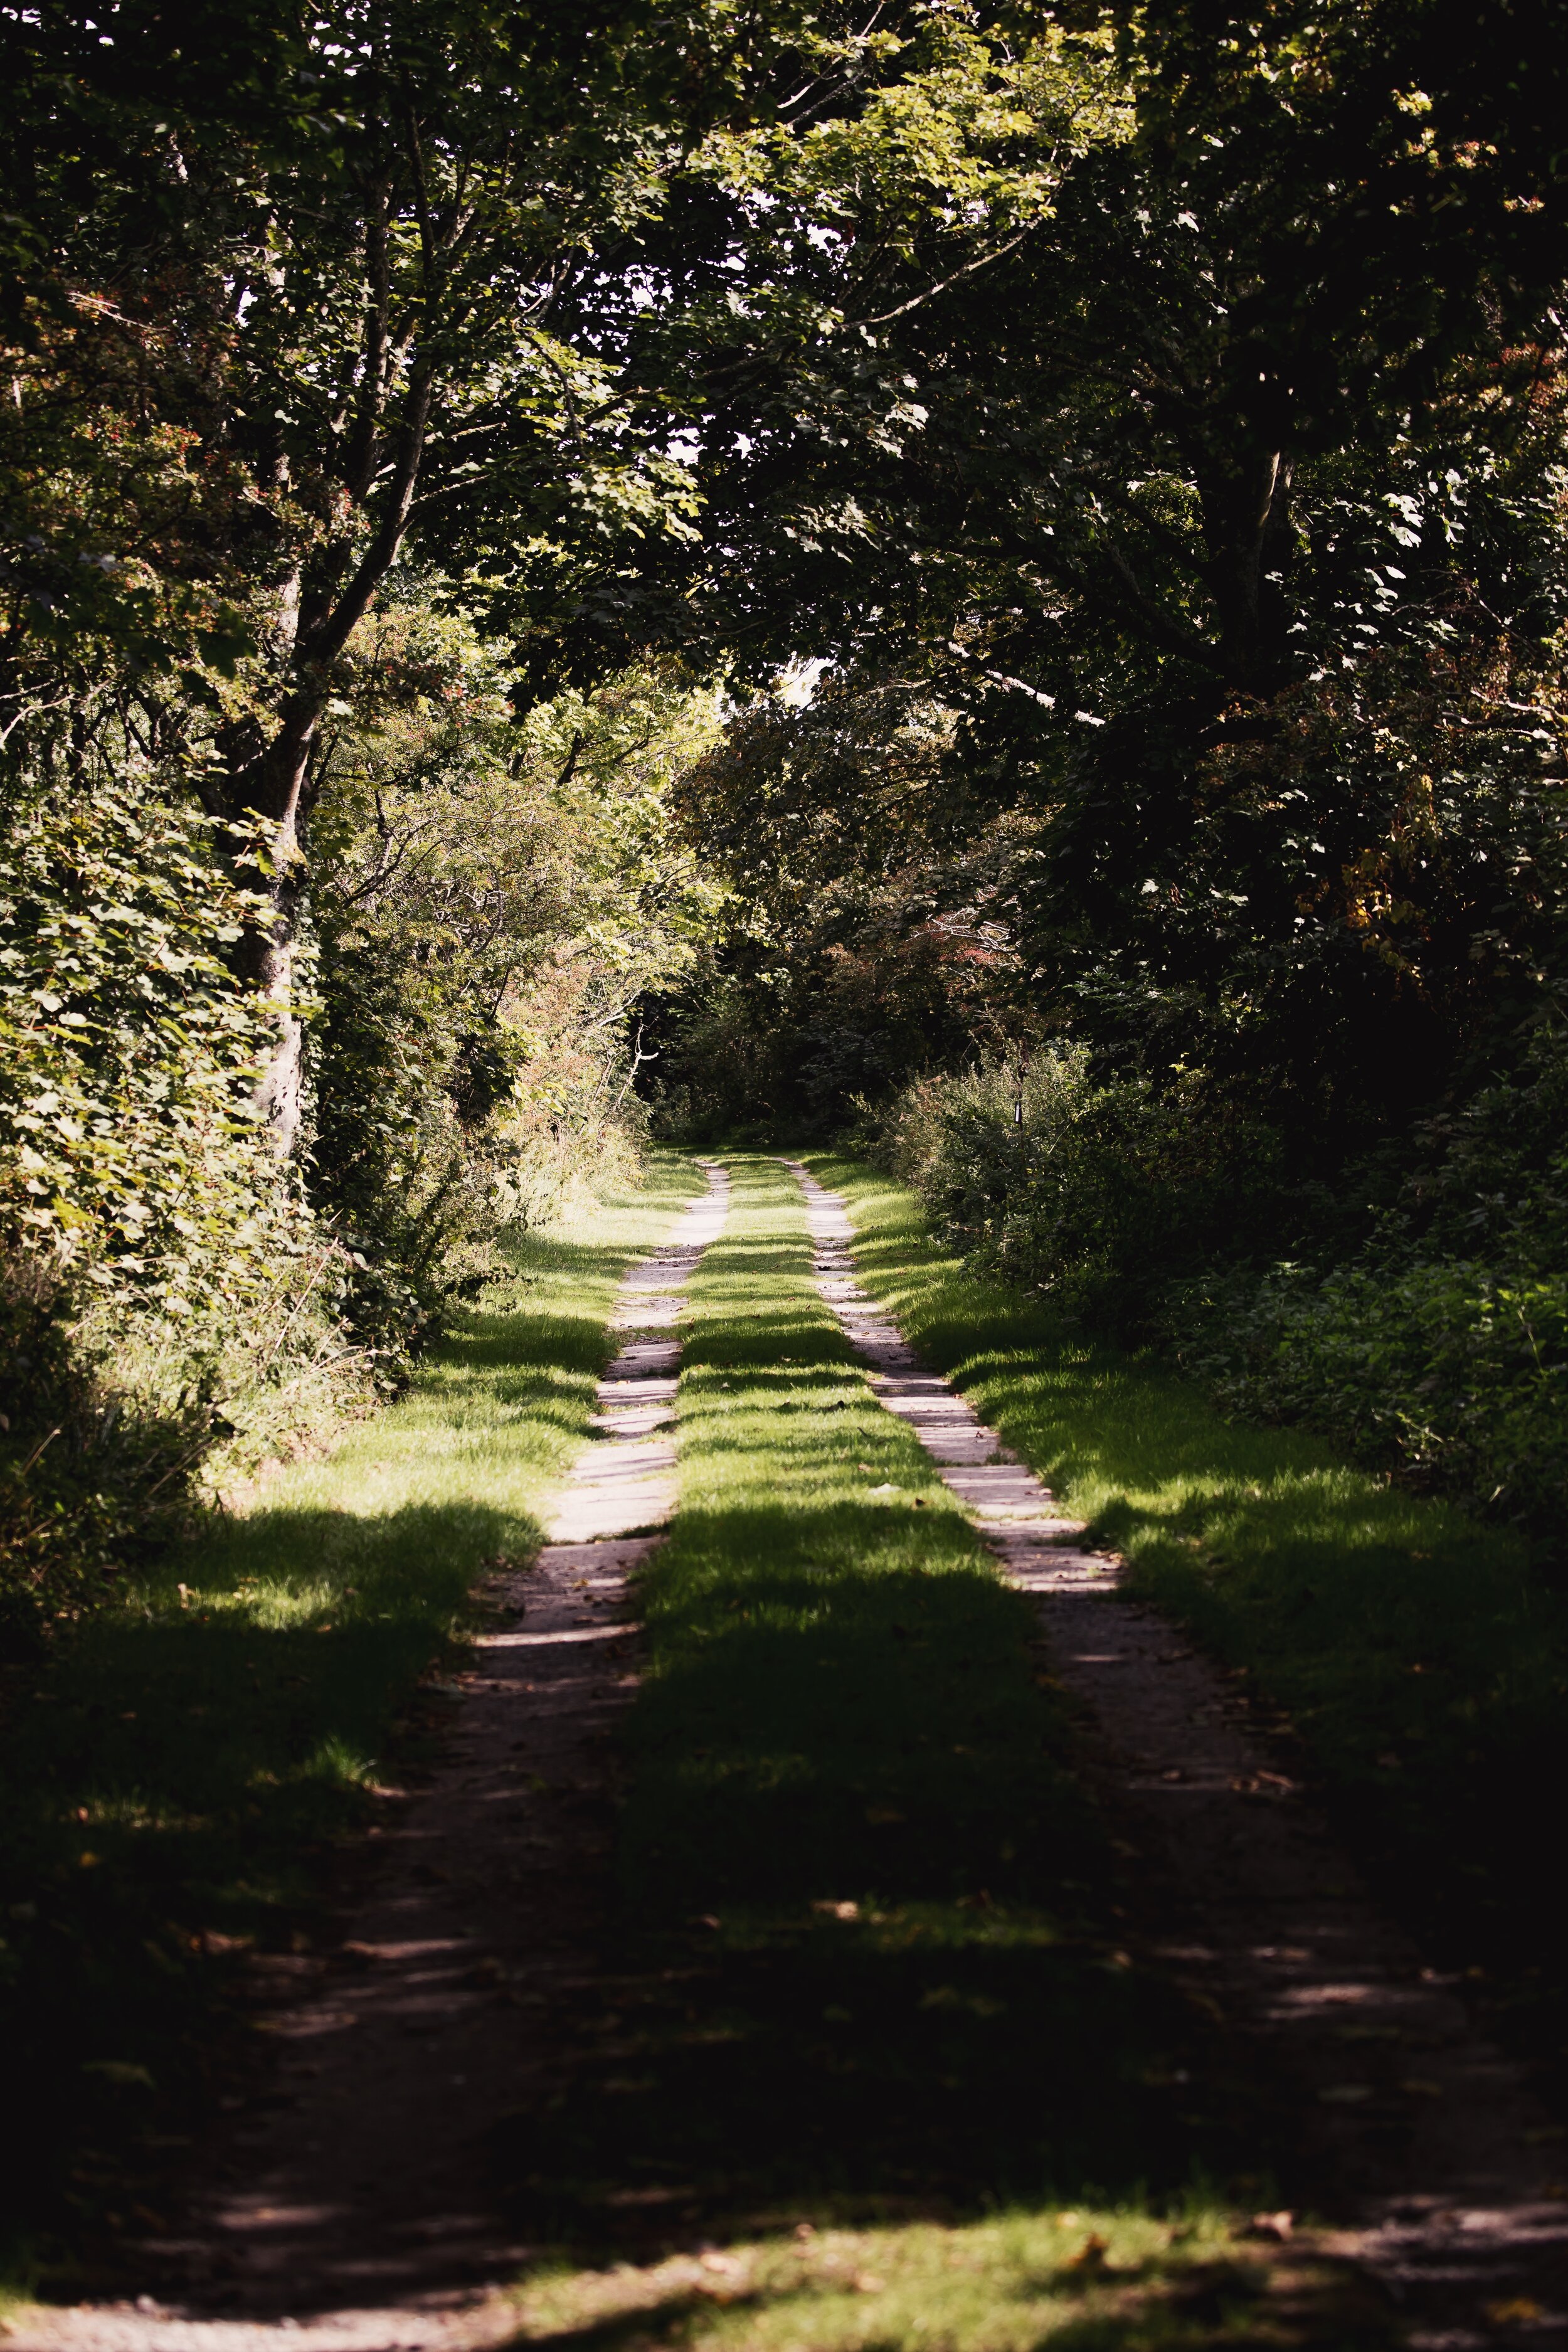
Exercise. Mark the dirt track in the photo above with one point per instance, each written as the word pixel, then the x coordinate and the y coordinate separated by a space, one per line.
pixel 1434 2154
pixel 351 2207
pixel 350 2210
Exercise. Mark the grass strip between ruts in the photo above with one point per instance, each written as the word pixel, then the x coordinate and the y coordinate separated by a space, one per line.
pixel 1421 1660
pixel 869 1996
pixel 173 1778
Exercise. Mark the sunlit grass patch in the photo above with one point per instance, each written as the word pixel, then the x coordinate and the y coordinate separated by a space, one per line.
pixel 174 1777
pixel 1111 2278
pixel 1419 1655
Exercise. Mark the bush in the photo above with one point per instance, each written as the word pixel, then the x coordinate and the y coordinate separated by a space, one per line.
pixel 1441 1350
pixel 1434 1345
pixel 168 1305
pixel 1451 1371
pixel 1102 1196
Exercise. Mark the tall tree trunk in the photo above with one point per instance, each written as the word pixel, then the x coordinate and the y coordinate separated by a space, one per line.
pixel 273 787
pixel 274 781
pixel 1246 504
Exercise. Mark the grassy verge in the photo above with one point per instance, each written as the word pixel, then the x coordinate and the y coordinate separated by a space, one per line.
pixel 873 1995
pixel 173 1781
pixel 1423 1662
pixel 1073 2279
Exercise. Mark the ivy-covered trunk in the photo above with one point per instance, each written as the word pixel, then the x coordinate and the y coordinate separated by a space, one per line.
pixel 274 959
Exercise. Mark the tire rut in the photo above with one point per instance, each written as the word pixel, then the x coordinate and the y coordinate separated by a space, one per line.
pixel 348 2208
pixel 1423 2140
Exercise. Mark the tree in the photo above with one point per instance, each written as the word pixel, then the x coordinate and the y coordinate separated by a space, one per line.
pixel 1243 434
pixel 340 277
pixel 1081 353
pixel 491 899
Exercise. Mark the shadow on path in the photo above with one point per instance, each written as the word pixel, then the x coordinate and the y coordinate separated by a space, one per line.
pixel 181 1782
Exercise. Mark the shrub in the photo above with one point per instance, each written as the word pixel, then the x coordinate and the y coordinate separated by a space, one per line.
pixel 1450 1371
pixel 168 1305
pixel 1440 1350
pixel 1435 1345
pixel 1101 1195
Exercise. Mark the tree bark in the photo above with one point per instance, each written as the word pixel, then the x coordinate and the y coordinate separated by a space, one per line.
pixel 1245 508
pixel 275 782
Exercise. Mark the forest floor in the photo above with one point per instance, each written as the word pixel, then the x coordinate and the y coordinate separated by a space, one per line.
pixel 879 2025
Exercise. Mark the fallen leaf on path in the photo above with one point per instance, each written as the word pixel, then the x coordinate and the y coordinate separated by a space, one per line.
pixel 1277 2226
pixel 1264 1784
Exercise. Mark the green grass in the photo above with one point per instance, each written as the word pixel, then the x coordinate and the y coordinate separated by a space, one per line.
pixel 173 1781
pixel 849 1829
pixel 1075 2279
pixel 1423 1662
pixel 872 2028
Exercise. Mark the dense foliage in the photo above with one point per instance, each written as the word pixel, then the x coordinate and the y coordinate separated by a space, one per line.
pixel 855 941
pixel 563 569
pixel 180 1302
pixel 1200 482
pixel 317 936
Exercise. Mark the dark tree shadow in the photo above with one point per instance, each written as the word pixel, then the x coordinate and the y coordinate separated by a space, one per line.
pixel 178 1778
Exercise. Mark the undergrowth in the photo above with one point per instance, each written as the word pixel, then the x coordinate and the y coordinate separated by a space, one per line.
pixel 1407 1298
